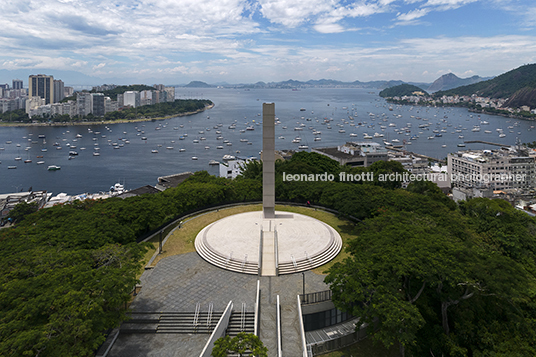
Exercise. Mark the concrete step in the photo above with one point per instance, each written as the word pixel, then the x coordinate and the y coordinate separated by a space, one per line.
pixel 219 260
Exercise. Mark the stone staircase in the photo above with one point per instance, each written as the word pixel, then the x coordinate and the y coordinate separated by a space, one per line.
pixel 241 323
pixel 171 322
pixel 303 263
pixel 237 264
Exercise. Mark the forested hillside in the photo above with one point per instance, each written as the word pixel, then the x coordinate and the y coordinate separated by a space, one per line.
pixel 401 90
pixel 503 86
pixel 441 279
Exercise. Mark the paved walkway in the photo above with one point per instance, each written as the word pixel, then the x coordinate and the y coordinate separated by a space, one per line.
pixel 179 282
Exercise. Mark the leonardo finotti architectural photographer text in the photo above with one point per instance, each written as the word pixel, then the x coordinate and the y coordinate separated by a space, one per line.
pixel 405 177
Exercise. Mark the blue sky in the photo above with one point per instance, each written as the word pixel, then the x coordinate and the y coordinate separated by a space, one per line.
pixel 245 41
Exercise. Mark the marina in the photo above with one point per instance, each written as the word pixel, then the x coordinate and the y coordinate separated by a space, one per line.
pixel 138 153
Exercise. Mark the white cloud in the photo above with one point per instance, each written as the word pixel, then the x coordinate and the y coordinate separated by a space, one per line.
pixel 292 13
pixel 412 15
pixel 232 38
pixel 450 4
pixel 323 14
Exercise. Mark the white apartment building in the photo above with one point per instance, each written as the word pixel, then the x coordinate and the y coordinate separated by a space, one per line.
pixel 84 102
pixel 506 168
pixel 131 98
pixel 170 92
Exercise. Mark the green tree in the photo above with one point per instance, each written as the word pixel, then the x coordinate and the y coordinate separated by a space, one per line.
pixel 21 210
pixel 395 257
pixel 431 283
pixel 240 344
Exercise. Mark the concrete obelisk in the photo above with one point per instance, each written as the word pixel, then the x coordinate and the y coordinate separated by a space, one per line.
pixel 268 160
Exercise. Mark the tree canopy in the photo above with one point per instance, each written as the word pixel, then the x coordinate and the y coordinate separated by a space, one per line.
pixel 431 276
pixel 443 282
pixel 240 344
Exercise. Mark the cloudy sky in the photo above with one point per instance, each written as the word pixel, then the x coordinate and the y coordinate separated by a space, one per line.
pixel 245 41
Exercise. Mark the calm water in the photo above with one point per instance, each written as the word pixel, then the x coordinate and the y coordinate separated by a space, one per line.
pixel 135 165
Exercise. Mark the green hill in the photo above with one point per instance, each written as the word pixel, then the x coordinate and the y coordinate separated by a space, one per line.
pixel 401 90
pixel 198 84
pixel 519 82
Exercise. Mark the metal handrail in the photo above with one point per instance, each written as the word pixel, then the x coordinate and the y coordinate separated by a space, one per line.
pixel 243 318
pixel 196 316
pixel 209 316
pixel 316 297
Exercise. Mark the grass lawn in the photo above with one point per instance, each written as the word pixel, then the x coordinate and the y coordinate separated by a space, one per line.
pixel 182 240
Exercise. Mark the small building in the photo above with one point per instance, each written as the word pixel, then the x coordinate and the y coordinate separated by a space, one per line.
pixel 232 168
pixel 357 154
pixel 8 201
pixel 170 181
pixel 147 189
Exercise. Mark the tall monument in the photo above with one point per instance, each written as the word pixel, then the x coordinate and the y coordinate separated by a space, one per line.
pixel 266 244
pixel 268 160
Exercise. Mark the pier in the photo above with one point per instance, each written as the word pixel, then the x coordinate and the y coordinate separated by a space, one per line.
pixel 484 142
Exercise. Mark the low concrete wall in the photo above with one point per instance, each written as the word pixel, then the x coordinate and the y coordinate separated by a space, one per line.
pixel 302 328
pixel 219 330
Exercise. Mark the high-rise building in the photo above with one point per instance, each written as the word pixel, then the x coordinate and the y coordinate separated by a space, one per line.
pixel 131 98
pixel 42 86
pixel 84 103
pixel 18 84
pixel 68 91
pixel 59 90
pixel 170 93
pixel 99 106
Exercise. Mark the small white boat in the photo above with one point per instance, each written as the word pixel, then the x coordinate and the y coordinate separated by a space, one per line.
pixel 194 157
pixel 53 168
pixel 154 151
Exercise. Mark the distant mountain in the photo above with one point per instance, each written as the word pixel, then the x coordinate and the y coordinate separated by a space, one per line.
pixel 71 78
pixel 450 80
pixel 519 85
pixel 198 84
pixel 401 90
pixel 291 83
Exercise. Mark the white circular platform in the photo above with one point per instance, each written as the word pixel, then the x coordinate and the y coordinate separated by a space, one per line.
pixel 303 242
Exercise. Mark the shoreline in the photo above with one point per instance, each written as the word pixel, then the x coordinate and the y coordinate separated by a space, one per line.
pixel 478 111
pixel 106 122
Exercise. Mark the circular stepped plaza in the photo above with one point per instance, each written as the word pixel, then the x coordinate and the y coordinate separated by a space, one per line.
pixel 301 242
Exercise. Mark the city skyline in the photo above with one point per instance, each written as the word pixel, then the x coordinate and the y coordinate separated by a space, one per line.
pixel 237 41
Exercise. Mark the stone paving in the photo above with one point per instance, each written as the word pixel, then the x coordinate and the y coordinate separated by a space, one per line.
pixel 178 283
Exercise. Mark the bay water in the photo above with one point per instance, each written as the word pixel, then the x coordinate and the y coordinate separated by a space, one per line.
pixel 127 150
